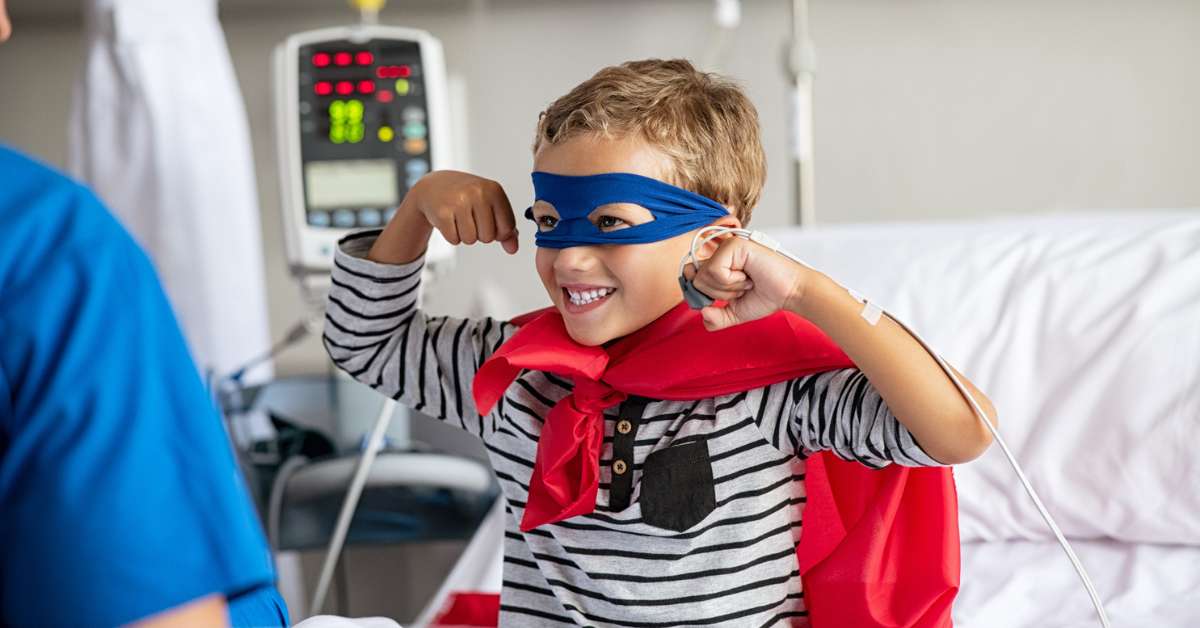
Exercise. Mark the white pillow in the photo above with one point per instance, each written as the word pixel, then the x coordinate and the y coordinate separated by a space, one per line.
pixel 1083 329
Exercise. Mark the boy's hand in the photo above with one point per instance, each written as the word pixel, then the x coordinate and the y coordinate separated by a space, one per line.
pixel 465 208
pixel 754 280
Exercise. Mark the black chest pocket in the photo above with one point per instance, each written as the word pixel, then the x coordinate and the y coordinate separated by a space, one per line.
pixel 677 486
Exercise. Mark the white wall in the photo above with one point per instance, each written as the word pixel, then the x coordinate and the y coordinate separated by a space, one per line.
pixel 925 108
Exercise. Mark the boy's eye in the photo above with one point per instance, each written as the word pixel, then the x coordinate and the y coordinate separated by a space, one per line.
pixel 546 222
pixel 606 222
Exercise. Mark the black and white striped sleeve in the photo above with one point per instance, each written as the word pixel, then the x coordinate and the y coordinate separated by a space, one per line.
pixel 835 410
pixel 376 332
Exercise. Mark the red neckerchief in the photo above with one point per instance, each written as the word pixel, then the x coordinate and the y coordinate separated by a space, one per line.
pixel 879 548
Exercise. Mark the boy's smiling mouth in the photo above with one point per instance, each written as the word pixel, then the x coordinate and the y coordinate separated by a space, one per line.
pixel 579 298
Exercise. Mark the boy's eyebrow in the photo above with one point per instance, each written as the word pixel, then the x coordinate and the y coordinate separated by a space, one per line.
pixel 545 205
pixel 630 209
pixel 643 214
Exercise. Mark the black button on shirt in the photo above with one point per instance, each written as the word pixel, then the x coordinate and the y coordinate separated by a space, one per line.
pixel 621 488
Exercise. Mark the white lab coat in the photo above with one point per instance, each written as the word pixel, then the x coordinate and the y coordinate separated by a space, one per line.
pixel 158 130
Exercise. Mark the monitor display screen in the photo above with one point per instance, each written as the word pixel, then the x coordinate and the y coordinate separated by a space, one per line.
pixel 350 183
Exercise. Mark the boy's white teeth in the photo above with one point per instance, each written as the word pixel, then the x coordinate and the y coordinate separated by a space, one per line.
pixel 587 296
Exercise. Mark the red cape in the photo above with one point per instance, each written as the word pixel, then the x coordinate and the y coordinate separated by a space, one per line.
pixel 879 547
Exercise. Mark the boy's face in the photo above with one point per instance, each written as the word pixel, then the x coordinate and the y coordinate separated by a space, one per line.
pixel 641 279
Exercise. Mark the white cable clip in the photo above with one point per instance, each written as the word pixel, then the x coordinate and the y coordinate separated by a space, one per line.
pixel 777 247
pixel 765 240
pixel 870 311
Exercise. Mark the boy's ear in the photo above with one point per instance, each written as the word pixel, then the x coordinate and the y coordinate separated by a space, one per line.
pixel 710 247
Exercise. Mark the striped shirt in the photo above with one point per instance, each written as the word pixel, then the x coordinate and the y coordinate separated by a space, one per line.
pixel 700 505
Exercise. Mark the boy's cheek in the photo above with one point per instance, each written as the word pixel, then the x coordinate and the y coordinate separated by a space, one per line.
pixel 544 261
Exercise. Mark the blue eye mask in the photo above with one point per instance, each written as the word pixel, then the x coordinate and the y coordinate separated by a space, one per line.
pixel 675 209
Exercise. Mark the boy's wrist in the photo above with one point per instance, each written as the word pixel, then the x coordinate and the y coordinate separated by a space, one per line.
pixel 808 287
pixel 813 295
pixel 405 237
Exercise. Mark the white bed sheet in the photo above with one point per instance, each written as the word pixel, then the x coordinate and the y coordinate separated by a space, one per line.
pixel 1013 584
pixel 1083 329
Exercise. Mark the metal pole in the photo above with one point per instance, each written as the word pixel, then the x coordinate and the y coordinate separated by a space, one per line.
pixel 800 64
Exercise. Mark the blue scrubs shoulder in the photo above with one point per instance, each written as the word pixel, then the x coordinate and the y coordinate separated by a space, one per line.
pixel 119 493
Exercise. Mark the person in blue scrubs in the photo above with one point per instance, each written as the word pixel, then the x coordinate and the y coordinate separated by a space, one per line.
pixel 120 497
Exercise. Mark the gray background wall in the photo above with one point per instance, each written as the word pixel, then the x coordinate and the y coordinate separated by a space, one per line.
pixel 925 109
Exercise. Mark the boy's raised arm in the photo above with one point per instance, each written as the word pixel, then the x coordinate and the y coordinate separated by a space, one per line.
pixel 757 281
pixel 374 329
pixel 838 411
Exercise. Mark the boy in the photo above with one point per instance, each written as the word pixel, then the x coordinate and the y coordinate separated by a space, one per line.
pixel 631 501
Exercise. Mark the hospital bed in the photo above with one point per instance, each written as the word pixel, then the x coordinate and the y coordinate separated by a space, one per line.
pixel 1084 330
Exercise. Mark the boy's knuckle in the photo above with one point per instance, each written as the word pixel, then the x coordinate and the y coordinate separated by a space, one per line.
pixel 479 190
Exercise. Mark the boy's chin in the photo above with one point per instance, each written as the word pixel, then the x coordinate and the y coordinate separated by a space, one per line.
pixel 595 335
pixel 589 337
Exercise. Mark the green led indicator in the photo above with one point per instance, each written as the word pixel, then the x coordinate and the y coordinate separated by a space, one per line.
pixel 354 110
pixel 354 133
pixel 337 110
pixel 337 133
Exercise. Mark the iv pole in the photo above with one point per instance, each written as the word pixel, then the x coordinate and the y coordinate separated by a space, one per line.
pixel 368 15
pixel 800 66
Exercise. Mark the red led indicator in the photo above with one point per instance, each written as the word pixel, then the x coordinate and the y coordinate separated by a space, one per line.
pixel 345 88
pixel 341 58
pixel 321 59
pixel 366 87
pixel 384 95
pixel 323 88
pixel 393 71
pixel 363 57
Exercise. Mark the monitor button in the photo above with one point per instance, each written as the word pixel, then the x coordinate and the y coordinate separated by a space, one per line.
pixel 413 114
pixel 318 218
pixel 344 218
pixel 416 167
pixel 415 146
pixel 369 217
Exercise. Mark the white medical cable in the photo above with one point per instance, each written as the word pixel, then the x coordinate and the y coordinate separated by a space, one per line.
pixel 350 503
pixel 871 313
pixel 275 499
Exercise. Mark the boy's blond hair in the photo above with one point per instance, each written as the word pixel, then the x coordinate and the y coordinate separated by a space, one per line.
pixel 701 121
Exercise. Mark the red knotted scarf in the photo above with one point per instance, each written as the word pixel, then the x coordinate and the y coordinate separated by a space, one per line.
pixel 879 547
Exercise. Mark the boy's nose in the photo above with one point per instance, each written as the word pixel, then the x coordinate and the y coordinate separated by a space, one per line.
pixel 576 258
